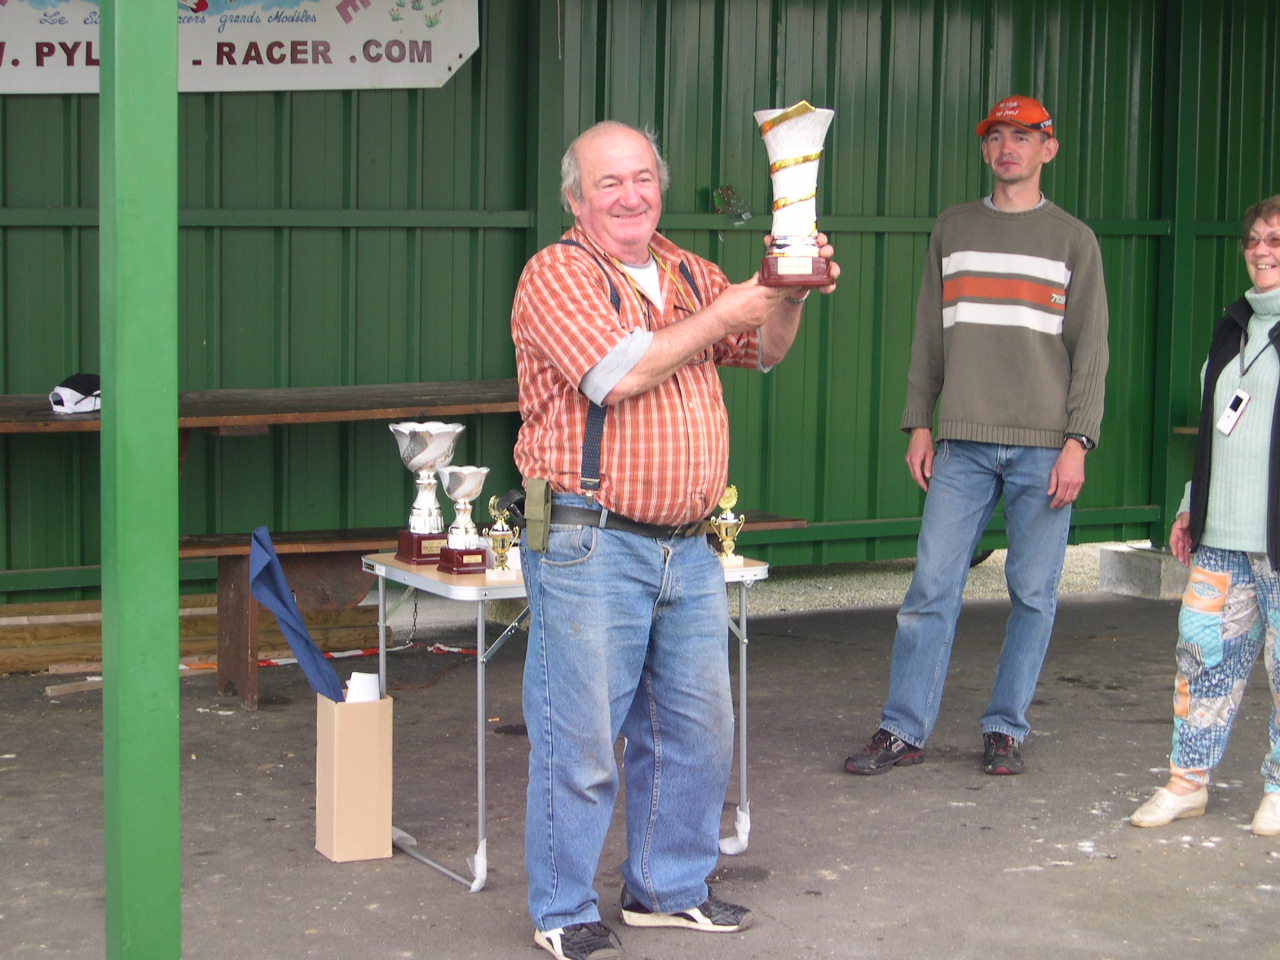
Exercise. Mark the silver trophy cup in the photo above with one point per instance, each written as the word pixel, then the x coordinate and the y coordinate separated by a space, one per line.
pixel 464 552
pixel 424 447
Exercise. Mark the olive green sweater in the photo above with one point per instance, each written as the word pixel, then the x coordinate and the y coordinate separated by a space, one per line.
pixel 1011 328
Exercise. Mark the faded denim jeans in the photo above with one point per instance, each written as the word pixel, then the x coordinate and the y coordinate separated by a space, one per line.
pixel 628 635
pixel 968 480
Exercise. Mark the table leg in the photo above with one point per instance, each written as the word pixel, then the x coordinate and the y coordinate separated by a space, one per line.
pixel 382 635
pixel 479 864
pixel 400 839
pixel 742 819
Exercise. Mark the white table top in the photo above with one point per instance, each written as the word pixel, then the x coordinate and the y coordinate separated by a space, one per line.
pixel 475 586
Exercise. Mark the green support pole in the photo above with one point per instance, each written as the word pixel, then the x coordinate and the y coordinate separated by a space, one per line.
pixel 550 137
pixel 1184 50
pixel 139 263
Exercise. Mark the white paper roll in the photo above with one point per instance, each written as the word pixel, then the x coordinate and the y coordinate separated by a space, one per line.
pixel 362 687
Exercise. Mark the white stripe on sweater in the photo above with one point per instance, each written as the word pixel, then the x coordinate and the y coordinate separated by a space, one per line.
pixel 1002 315
pixel 1006 264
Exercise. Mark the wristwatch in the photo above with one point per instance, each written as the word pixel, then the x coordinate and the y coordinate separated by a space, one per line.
pixel 1081 439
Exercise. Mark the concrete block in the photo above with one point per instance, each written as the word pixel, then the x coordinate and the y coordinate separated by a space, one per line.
pixel 1137 571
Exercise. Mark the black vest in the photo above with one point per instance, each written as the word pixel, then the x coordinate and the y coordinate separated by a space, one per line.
pixel 1228 336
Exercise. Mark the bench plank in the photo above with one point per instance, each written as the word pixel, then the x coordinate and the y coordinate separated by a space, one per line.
pixel 212 409
pixel 366 539
pixel 236 409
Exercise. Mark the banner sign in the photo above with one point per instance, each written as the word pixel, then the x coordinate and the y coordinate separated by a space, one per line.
pixel 51 46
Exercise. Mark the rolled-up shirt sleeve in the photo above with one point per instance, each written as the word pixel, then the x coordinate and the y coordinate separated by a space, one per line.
pixel 597 382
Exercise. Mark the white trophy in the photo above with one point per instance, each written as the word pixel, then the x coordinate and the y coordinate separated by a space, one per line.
pixel 423 448
pixel 793 139
pixel 464 552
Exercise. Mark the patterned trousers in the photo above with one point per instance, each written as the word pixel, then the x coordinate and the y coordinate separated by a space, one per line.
pixel 1230 611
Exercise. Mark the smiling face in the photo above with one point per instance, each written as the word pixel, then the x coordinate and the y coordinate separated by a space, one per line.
pixel 1016 154
pixel 1263 261
pixel 621 193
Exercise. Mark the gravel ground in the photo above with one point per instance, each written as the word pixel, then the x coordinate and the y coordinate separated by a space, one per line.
pixel 885 582
pixel 788 590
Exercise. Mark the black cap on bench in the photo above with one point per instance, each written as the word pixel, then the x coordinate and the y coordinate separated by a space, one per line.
pixel 79 393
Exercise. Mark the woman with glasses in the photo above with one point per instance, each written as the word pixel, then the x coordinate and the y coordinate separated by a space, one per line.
pixel 1228 531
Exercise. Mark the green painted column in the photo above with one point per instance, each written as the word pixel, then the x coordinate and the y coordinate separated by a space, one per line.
pixel 549 138
pixel 1185 55
pixel 139 238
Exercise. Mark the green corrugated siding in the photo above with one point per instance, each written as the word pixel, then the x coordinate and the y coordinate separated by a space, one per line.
pixel 371 236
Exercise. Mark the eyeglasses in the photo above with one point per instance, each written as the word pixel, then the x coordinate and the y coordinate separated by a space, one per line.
pixel 1273 242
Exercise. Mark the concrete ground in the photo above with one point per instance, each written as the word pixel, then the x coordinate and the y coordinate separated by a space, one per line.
pixel 930 861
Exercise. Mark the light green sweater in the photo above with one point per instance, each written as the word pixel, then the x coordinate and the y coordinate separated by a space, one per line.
pixel 1236 518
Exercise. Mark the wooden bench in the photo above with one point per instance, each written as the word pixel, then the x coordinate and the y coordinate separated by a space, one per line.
pixel 323 569
pixel 325 564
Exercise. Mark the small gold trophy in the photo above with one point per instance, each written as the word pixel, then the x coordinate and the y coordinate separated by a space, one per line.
pixel 501 539
pixel 727 526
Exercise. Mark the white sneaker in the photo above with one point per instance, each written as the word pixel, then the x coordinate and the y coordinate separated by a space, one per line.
pixel 1266 822
pixel 1166 807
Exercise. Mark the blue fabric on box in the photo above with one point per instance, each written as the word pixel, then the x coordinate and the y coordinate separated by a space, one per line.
pixel 271 589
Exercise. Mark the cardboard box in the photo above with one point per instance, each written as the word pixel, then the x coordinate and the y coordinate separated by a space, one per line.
pixel 353 779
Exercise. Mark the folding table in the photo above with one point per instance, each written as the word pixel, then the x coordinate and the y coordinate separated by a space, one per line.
pixel 478 589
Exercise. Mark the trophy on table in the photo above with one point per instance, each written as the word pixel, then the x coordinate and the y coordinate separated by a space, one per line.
pixel 501 539
pixel 423 448
pixel 463 552
pixel 727 526
pixel 793 139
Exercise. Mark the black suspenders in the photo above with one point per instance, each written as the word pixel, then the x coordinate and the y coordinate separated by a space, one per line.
pixel 594 433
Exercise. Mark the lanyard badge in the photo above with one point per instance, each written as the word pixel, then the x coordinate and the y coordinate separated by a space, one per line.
pixel 1231 415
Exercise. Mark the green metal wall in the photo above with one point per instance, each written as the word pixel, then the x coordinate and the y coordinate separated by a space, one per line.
pixel 375 236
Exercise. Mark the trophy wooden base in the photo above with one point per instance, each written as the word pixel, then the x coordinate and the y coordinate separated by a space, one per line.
pixel 420 547
pixel 795 272
pixel 503 576
pixel 453 560
pixel 731 560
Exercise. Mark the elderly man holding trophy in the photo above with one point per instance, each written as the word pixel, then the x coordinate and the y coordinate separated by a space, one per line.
pixel 624 454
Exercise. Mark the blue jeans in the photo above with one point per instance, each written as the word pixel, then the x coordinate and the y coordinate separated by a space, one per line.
pixel 1230 612
pixel 628 635
pixel 968 480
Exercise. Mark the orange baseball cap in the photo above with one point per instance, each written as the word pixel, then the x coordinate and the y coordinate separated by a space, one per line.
pixel 1025 112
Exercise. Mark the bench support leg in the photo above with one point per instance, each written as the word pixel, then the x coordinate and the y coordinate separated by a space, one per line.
pixel 237 632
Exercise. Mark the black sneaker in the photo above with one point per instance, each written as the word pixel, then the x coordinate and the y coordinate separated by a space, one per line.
pixel 712 916
pixel 1000 756
pixel 580 941
pixel 885 750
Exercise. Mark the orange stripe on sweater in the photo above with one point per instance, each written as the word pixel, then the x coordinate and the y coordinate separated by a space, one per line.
pixel 1004 288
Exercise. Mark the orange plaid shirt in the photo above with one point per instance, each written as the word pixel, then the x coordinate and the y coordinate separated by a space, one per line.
pixel 665 452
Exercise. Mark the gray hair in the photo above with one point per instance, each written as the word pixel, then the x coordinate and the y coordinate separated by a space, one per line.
pixel 1264 210
pixel 571 172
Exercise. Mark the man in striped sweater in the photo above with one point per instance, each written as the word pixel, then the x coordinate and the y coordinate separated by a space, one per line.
pixel 1010 346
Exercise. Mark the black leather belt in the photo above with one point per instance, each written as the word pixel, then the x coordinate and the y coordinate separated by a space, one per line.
pixel 585 516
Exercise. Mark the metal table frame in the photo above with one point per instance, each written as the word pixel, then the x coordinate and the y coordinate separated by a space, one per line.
pixel 475 588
